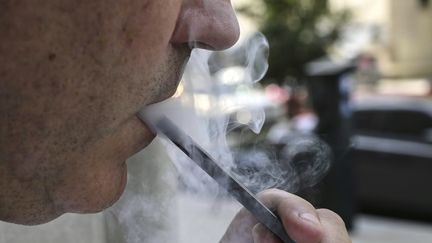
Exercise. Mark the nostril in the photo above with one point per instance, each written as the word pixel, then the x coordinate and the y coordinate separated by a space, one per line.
pixel 200 45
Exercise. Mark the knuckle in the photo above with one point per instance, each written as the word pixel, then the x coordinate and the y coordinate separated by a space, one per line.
pixel 268 192
pixel 272 191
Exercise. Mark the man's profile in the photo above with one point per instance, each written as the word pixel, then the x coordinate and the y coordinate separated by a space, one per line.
pixel 73 76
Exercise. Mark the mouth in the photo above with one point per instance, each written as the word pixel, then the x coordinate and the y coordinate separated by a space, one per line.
pixel 138 134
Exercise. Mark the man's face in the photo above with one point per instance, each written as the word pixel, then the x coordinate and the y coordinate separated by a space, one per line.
pixel 73 75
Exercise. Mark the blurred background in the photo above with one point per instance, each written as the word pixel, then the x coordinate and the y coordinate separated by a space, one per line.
pixel 355 73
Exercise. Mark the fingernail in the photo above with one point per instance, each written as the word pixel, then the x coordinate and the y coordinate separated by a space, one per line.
pixel 310 218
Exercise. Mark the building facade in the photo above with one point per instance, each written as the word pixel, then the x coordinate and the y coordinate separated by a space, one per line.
pixel 400 34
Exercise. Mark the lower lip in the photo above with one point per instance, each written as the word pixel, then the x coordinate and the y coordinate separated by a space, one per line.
pixel 123 180
pixel 139 134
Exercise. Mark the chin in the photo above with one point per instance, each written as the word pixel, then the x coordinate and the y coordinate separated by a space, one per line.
pixel 95 199
pixel 96 194
pixel 32 218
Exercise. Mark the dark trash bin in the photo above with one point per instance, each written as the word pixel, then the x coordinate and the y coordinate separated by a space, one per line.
pixel 329 85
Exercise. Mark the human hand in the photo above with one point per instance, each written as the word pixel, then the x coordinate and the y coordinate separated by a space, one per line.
pixel 302 222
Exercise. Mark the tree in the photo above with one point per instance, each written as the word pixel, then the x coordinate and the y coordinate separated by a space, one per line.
pixel 298 31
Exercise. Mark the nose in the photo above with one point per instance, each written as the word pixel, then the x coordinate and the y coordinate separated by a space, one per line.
pixel 208 24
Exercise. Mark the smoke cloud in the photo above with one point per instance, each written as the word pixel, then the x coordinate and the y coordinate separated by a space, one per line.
pixel 203 108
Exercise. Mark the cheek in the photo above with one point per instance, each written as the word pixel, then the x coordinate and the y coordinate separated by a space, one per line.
pixel 144 40
pixel 148 30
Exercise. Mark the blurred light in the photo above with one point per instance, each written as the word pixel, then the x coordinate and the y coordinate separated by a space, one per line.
pixel 202 103
pixel 231 75
pixel 276 93
pixel 244 117
pixel 180 90
pixel 415 87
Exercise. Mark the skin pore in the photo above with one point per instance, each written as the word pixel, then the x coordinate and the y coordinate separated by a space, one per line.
pixel 73 75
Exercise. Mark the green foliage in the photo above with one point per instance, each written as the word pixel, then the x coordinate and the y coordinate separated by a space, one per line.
pixel 298 31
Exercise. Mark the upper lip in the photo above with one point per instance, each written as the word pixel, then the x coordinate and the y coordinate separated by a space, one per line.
pixel 184 53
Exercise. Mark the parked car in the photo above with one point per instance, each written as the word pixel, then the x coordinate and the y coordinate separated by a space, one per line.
pixel 392 149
